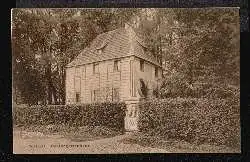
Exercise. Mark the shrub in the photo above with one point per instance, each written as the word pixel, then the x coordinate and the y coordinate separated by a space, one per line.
pixel 192 120
pixel 110 114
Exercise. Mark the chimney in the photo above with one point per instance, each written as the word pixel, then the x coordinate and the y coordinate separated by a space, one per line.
pixel 129 29
pixel 131 35
pixel 127 26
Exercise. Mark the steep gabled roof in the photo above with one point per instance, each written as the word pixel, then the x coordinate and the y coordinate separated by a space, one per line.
pixel 113 44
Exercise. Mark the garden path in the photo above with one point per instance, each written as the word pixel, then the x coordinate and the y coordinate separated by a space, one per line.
pixel 35 143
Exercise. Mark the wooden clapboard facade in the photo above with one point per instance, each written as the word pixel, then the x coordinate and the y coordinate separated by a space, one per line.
pixel 110 69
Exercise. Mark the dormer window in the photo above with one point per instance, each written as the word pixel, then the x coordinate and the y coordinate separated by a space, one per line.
pixel 142 65
pixel 101 47
pixel 99 51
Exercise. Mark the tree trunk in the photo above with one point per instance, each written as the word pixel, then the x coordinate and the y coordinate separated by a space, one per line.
pixel 54 93
pixel 160 50
pixel 63 88
pixel 49 81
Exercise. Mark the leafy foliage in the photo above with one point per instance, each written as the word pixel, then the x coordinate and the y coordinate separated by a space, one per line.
pixel 192 120
pixel 202 57
pixel 99 114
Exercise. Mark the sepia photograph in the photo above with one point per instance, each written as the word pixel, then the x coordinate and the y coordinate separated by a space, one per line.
pixel 125 80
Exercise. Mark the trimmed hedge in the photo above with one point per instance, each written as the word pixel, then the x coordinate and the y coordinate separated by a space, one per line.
pixel 192 120
pixel 110 114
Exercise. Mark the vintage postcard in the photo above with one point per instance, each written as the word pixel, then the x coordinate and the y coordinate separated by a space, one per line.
pixel 125 80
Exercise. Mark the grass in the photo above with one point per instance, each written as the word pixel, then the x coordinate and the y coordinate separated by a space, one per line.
pixel 77 134
pixel 175 146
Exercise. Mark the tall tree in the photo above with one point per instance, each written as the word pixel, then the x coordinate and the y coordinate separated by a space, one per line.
pixel 48 39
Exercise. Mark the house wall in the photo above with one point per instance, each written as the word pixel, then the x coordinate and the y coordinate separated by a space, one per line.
pixel 82 79
pixel 69 85
pixel 148 76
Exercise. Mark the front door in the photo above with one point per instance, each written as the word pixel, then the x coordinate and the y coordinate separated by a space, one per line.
pixel 131 118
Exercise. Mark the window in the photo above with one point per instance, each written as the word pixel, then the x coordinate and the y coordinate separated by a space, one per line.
pixel 83 72
pixel 116 96
pixel 141 65
pixel 95 68
pixel 77 84
pixel 96 94
pixel 156 72
pixel 77 97
pixel 117 64
pixel 78 71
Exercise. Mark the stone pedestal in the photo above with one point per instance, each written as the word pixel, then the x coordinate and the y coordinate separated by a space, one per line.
pixel 132 115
